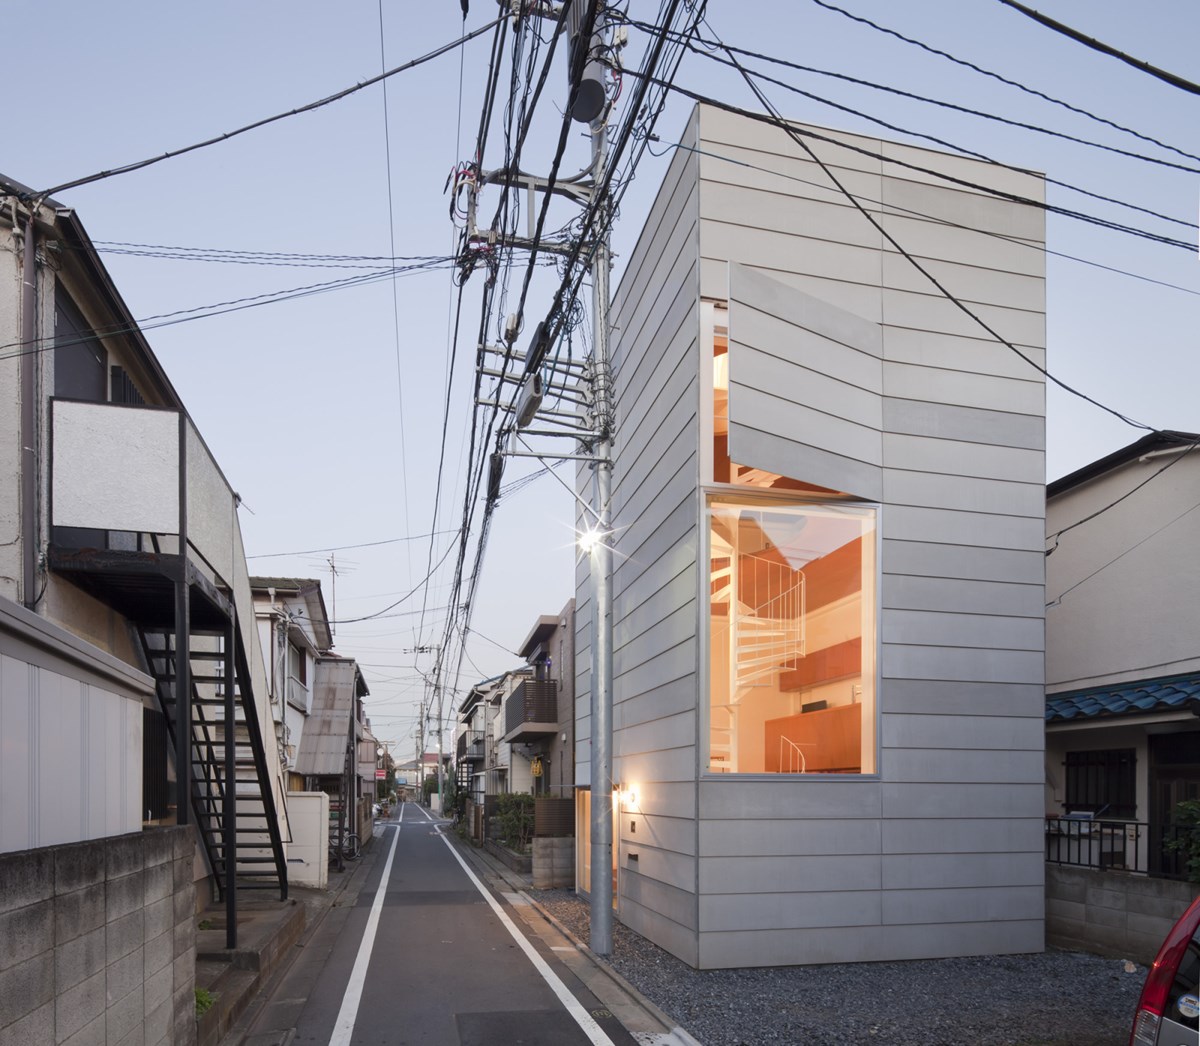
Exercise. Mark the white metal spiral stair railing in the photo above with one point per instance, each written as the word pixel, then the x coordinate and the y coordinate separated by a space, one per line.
pixel 766 634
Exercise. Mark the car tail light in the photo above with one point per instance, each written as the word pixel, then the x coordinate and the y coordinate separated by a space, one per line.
pixel 1159 981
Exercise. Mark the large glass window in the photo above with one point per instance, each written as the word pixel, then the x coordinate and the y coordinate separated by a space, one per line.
pixel 791 636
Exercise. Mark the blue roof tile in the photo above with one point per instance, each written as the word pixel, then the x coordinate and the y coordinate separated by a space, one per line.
pixel 1172 693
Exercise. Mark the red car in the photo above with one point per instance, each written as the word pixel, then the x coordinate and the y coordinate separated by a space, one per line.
pixel 1168 1013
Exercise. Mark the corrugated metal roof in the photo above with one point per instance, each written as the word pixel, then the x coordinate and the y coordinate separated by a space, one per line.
pixel 327 730
pixel 1171 693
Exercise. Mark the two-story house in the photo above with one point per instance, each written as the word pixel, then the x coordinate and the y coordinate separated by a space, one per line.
pixel 1122 691
pixel 293 631
pixel 132 689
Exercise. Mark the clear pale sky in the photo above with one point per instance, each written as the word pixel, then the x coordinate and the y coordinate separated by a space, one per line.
pixel 328 423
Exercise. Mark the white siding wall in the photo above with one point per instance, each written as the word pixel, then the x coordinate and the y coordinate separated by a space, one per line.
pixel 1137 556
pixel 70 737
pixel 941 852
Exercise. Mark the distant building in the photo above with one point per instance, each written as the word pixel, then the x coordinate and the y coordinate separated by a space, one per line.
pixel 539 715
pixel 293 631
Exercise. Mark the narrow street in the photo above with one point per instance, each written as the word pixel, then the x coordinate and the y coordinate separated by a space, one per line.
pixel 429 954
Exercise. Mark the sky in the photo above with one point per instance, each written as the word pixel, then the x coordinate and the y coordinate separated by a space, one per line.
pixel 326 410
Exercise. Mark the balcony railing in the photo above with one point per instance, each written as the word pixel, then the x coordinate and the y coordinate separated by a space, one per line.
pixel 531 711
pixel 1128 846
pixel 470 746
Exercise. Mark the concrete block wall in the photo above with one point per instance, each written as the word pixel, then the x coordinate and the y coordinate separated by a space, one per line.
pixel 99 942
pixel 1124 916
pixel 553 862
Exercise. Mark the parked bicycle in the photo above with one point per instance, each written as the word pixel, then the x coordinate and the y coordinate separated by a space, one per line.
pixel 349 849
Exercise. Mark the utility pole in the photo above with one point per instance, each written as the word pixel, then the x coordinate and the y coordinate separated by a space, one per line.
pixel 589 387
pixel 420 765
pixel 441 773
pixel 600 938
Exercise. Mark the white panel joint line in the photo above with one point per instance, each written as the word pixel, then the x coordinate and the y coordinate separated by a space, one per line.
pixel 343 1028
pixel 584 1019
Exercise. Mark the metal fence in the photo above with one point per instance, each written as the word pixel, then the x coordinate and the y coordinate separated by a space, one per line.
pixel 1129 846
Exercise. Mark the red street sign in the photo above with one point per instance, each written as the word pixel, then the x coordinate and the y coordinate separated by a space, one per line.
pixel 380 775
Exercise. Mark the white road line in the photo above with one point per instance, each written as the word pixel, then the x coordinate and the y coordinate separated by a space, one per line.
pixel 348 1014
pixel 584 1019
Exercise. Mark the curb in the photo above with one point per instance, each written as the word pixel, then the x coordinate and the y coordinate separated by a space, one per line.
pixel 678 1034
pixel 682 1035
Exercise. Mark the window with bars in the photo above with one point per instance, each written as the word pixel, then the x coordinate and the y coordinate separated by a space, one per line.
pixel 1103 782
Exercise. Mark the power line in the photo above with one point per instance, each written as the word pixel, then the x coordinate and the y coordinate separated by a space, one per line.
pixel 162 252
pixel 965 183
pixel 407 595
pixel 975 317
pixel 1096 45
pixel 337 97
pixel 400 417
pixel 343 548
pixel 1015 241
pixel 700 47
pixel 1183 452
pixel 1003 79
pixel 1057 601
pixel 950 145
pixel 199 312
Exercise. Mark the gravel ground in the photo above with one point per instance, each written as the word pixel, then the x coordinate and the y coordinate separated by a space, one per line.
pixel 1053 999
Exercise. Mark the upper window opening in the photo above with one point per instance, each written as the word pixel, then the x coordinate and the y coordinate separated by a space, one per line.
pixel 792 614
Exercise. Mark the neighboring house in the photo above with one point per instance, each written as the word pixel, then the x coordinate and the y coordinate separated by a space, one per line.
pixel 293 630
pixel 1123 652
pixel 488 764
pixel 471 741
pixel 127 641
pixel 827 517
pixel 125 534
pixel 539 715
pixel 328 756
pixel 370 760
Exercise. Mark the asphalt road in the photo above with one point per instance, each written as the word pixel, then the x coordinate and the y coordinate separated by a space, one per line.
pixel 429 959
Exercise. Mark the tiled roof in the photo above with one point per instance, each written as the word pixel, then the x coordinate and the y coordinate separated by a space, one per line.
pixel 1172 693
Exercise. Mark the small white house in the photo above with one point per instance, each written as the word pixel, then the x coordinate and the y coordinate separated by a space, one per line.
pixel 828 502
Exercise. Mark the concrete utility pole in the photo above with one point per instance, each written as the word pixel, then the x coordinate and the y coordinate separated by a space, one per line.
pixel 600 938
pixel 589 104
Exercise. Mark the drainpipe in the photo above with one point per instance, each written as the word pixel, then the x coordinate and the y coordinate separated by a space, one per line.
pixel 29 435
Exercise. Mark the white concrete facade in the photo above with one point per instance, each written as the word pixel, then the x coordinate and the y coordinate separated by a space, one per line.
pixel 909 410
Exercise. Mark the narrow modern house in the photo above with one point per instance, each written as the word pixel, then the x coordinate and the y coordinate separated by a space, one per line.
pixel 828 571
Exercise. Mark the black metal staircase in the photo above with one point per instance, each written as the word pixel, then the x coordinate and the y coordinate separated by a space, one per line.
pixel 258 860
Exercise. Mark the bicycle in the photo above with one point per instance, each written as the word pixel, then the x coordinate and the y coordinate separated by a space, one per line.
pixel 348 850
